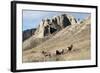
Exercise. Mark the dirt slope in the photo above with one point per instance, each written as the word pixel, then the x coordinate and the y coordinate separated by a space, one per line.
pixel 78 35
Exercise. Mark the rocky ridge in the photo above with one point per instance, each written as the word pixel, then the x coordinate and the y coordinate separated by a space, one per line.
pixel 47 28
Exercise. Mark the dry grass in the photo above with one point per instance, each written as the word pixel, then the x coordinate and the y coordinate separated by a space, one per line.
pixel 78 35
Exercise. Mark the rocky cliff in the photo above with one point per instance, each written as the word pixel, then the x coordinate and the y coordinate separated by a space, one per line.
pixel 47 28
pixel 55 24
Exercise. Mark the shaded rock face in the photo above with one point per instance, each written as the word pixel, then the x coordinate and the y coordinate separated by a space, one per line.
pixel 28 33
pixel 65 21
pixel 50 26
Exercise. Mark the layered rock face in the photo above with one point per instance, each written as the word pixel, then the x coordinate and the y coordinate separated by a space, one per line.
pixel 50 26
pixel 46 29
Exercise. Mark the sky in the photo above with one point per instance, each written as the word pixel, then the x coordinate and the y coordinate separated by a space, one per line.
pixel 31 18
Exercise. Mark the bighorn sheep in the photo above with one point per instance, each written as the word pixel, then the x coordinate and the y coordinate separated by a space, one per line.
pixel 70 47
pixel 59 52
pixel 46 53
pixel 62 51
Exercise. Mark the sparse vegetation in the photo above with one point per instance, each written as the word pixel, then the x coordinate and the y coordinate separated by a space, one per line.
pixel 70 43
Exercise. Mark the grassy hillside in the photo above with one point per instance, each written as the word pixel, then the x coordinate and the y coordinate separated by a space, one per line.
pixel 78 35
